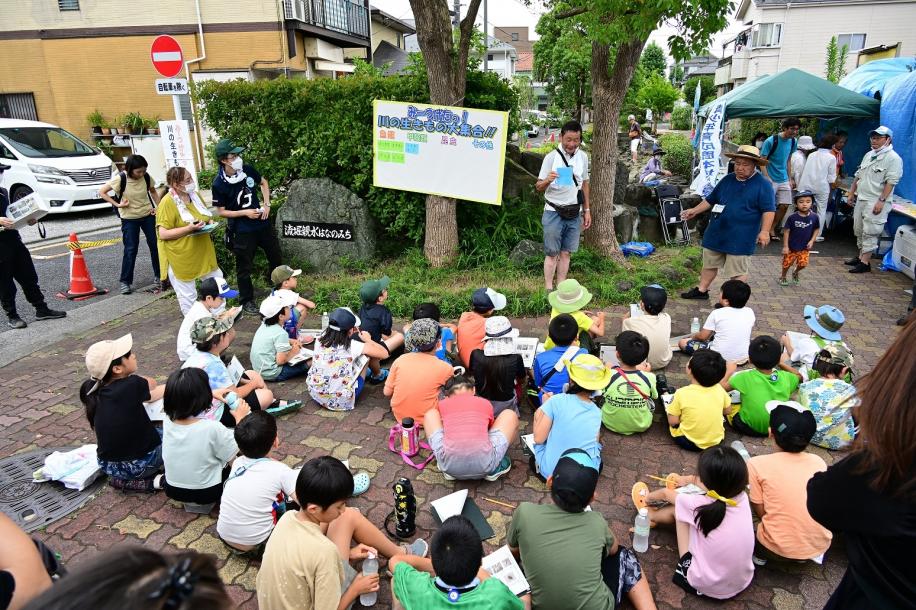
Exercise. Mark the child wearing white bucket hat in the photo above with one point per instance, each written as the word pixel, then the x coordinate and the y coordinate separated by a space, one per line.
pixel 498 370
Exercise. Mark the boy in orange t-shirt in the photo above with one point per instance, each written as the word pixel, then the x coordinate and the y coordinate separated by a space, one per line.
pixel 470 331
pixel 416 378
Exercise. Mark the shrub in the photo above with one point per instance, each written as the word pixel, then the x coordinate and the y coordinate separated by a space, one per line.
pixel 680 117
pixel 679 155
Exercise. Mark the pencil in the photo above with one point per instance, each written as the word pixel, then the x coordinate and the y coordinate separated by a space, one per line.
pixel 657 478
pixel 506 504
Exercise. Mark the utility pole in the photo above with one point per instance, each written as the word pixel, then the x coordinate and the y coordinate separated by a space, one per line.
pixel 486 37
pixel 456 9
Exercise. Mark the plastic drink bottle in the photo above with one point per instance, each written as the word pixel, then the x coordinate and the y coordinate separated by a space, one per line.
pixel 740 448
pixel 325 320
pixel 641 531
pixel 410 440
pixel 370 567
pixel 694 326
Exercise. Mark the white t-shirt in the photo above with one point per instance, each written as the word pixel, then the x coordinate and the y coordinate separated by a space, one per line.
pixel 185 347
pixel 195 454
pixel 246 509
pixel 564 195
pixel 733 331
pixel 820 172
pixel 797 163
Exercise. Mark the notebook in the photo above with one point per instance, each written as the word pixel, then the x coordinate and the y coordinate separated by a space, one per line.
pixel 528 348
pixel 502 566
pixel 608 355
pixel 458 503
pixel 303 355
pixel 236 370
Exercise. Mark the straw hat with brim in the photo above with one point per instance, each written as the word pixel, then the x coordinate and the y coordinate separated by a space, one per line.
pixel 825 320
pixel 100 355
pixel 746 151
pixel 589 372
pixel 499 337
pixel 569 296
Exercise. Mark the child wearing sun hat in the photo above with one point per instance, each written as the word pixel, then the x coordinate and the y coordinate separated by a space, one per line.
pixel 825 323
pixel 498 370
pixel 571 297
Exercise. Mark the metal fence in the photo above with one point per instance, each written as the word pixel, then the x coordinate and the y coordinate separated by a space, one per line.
pixel 345 16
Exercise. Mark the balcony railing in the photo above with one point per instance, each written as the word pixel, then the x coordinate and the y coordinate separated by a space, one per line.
pixel 344 16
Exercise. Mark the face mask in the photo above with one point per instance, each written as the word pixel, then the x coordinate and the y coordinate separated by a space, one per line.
pixel 190 187
pixel 236 164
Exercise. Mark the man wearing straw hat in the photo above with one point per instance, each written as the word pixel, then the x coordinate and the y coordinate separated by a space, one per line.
pixel 742 206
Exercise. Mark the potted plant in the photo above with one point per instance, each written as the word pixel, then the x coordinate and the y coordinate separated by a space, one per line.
pixel 115 125
pixel 133 122
pixel 106 128
pixel 152 125
pixel 95 120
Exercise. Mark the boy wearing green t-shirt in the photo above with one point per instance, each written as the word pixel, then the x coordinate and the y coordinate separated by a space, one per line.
pixel 629 398
pixel 771 379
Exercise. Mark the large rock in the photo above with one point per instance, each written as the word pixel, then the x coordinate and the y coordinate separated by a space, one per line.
pixel 626 223
pixel 322 221
pixel 531 161
pixel 525 249
pixel 517 181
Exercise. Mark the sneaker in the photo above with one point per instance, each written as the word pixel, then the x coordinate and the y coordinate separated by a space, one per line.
pixel 16 322
pixel 758 561
pixel 795 280
pixel 159 481
pixel 126 289
pixel 504 466
pixel 783 281
pixel 861 268
pixel 46 313
pixel 382 376
pixel 775 238
pixel 852 262
pixel 901 321
pixel 251 309
pixel 418 547
pixel 695 293
pixel 446 475
pixel 282 407
pixel 819 238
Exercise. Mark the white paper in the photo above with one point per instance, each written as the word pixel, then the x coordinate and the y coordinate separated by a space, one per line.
pixel 690 489
pixel 236 370
pixel 154 410
pixel 635 310
pixel 303 355
pixel 608 355
pixel 526 347
pixel 358 365
pixel 450 505
pixel 528 441
pixel 502 566
pixel 30 207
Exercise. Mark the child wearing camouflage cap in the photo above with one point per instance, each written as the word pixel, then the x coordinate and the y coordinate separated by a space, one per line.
pixel 831 398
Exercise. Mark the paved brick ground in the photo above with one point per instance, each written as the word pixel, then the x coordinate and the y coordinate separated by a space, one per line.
pixel 39 407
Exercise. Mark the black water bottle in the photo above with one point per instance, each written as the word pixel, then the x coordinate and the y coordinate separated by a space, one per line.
pixel 405 508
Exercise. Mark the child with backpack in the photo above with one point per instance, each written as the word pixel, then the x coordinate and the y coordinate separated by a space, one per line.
pixel 549 368
pixel 629 399
pixel 498 370
pixel 286 279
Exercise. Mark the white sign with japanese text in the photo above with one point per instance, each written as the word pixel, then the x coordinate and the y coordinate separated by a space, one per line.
pixel 710 151
pixel 439 150
pixel 176 145
pixel 172 86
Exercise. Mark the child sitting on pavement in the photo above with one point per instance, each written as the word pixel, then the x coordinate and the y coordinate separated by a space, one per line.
pixel 447 341
pixel 564 332
pixel 570 420
pixel 571 297
pixel 417 376
pixel 798 235
pixel 196 451
pixel 271 347
pixel 337 375
pixel 285 277
pixel 772 378
pixel 498 369
pixel 654 324
pixel 825 323
pixel 211 301
pixel 376 320
pixel 470 332
pixel 715 530
pixel 728 328
pixel 831 399
pixel 255 493
pixel 129 447
pixel 696 411
pixel 779 489
pixel 468 441
pixel 570 556
pixel 307 559
pixel 453 577
pixel 629 399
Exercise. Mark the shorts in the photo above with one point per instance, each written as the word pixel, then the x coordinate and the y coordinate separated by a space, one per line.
pixel 560 235
pixel 469 466
pixel 145 467
pixel 634 144
pixel 621 572
pixel 732 265
pixel 501 405
pixel 783 193
pixel 685 443
pixel 799 259
pixel 742 428
pixel 680 574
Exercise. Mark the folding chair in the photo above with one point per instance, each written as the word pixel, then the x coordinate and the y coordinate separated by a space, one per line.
pixel 670 208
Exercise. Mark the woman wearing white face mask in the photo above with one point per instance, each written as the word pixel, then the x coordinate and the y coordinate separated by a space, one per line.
pixel 185 254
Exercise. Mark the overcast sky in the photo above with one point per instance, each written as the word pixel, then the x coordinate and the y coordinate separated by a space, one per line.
pixel 516 13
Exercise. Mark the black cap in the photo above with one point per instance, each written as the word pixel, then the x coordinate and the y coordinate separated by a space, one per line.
pixel 576 473
pixel 654 298
pixel 788 422
pixel 343 319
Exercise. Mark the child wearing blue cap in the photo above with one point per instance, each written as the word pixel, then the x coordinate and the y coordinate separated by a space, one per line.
pixel 825 323
pixel 798 236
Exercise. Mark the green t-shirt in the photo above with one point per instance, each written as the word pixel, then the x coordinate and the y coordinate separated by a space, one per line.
pixel 267 342
pixel 561 554
pixel 759 388
pixel 624 410
pixel 417 591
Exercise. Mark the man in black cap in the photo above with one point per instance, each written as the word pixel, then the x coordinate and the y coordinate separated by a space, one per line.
pixel 16 264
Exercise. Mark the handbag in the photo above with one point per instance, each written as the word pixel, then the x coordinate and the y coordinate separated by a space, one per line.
pixel 395 446
pixel 568 212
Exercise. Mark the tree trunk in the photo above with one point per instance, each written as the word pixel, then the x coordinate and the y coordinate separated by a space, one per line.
pixel 609 87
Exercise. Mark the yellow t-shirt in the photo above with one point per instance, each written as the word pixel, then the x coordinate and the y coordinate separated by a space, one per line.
pixel 191 256
pixel 701 412
pixel 139 204
pixel 581 318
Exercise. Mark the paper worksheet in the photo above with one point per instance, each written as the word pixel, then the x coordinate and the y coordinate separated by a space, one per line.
pixel 503 567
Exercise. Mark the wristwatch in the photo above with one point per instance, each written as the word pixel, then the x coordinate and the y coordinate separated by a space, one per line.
pixel 882 199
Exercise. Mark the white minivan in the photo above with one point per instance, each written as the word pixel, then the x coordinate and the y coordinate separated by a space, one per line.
pixel 53 162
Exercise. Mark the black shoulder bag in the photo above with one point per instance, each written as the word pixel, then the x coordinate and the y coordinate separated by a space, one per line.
pixel 568 212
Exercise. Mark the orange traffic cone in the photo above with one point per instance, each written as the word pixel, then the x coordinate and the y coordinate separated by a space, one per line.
pixel 528 146
pixel 552 138
pixel 81 286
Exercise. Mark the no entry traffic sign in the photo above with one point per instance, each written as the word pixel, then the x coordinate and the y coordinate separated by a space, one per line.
pixel 166 55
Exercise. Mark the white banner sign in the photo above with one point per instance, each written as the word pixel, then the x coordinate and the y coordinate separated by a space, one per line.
pixel 176 145
pixel 172 86
pixel 710 151
pixel 439 150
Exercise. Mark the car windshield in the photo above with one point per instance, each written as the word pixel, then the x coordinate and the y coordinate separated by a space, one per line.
pixel 47 142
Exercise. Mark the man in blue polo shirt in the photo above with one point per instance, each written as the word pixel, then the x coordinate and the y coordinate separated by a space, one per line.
pixel 742 208
pixel 777 150
pixel 235 195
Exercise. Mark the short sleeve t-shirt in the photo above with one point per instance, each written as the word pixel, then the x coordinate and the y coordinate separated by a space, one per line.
pixel 576 425
pixel 418 591
pixel 139 201
pixel 779 481
pixel 331 378
pixel 721 566
pixel 513 367
pixel 701 411
pixel 565 194
pixel 185 345
pixel 195 454
pixel 243 195
pixel 246 510
pixel 466 421
pixel 657 329
pixel 268 341
pixel 733 329
pixel 415 380
pixel 442 352
pixel 544 363
pixel 625 410
pixel 582 321
pixel 776 168
pixel 561 553
pixel 217 375
pixel 801 229
pixel 191 256
pixel 469 335
pixel 735 229
pixel 832 402
pixel 759 388
pixel 123 430
pixel 376 320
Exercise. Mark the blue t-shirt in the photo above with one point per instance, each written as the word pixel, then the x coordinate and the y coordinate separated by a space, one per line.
pixel 576 424
pixel 776 169
pixel 542 365
pixel 801 228
pixel 735 229
pixel 243 195
pixel 376 320
pixel 447 335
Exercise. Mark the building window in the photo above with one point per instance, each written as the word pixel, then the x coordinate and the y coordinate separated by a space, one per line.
pixel 68 5
pixel 489 57
pixel 853 42
pixel 767 35
pixel 18 106
pixel 514 36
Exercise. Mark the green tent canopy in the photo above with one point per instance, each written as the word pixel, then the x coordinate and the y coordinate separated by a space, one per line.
pixel 795 93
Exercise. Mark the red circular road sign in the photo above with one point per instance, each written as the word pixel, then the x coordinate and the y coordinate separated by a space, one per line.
pixel 167 57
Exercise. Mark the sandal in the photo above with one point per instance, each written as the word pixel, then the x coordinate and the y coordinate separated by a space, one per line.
pixel 361 482
pixel 639 494
pixel 783 281
pixel 795 281
pixel 282 407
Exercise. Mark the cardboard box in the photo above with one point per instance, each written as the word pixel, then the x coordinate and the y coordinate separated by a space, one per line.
pixel 30 207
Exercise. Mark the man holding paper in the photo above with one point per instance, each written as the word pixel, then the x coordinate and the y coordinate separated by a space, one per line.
pixel 564 181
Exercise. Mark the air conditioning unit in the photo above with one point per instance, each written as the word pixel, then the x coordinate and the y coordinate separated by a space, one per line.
pixel 904 253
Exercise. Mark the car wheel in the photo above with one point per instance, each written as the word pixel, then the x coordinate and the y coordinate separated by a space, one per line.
pixel 19 192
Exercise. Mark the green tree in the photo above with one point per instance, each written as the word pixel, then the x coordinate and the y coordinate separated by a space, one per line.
pixel 658 95
pixel 677 74
pixel 707 88
pixel 522 85
pixel 562 60
pixel 653 59
pixel 835 65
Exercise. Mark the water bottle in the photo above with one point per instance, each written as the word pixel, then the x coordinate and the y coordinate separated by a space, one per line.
pixel 325 320
pixel 405 509
pixel 410 441
pixel 694 326
pixel 740 448
pixel 370 567
pixel 641 531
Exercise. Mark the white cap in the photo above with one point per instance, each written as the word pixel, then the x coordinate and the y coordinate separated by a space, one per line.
pixel 272 305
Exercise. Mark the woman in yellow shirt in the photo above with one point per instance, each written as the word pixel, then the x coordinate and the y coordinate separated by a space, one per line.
pixel 185 253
